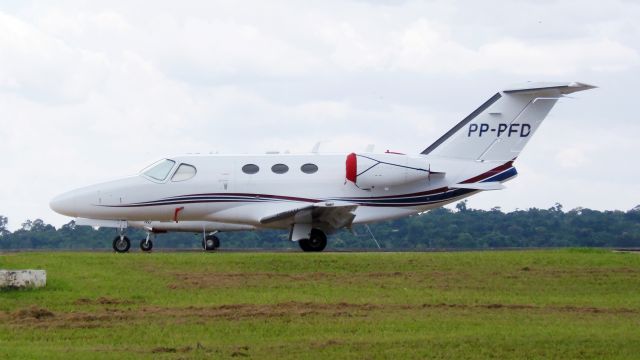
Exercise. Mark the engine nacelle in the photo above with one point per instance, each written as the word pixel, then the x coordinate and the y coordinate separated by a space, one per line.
pixel 375 170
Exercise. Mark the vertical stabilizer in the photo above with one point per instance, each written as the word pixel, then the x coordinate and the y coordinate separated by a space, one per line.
pixel 500 128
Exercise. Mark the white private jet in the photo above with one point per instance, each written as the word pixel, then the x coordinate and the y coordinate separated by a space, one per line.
pixel 313 195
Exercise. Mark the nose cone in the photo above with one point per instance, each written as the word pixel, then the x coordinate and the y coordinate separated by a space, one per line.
pixel 65 204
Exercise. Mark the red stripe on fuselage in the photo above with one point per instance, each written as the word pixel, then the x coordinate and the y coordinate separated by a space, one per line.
pixel 489 173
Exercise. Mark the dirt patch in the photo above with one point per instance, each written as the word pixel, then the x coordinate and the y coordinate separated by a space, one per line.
pixel 32 312
pixel 111 317
pixel 230 280
pixel 184 349
pixel 163 349
pixel 241 351
pixel 581 271
pixel 224 280
pixel 38 317
pixel 102 301
pixel 384 274
pixel 575 309
pixel 326 344
pixel 249 311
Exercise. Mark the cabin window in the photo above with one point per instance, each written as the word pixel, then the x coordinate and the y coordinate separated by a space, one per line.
pixel 279 168
pixel 250 169
pixel 309 168
pixel 160 170
pixel 184 172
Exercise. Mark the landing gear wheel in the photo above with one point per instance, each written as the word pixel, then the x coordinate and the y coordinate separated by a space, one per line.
pixel 121 244
pixel 303 245
pixel 210 243
pixel 146 245
pixel 315 243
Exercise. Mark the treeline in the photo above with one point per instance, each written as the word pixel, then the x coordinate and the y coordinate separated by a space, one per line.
pixel 437 229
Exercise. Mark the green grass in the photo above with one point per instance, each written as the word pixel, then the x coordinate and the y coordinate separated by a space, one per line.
pixel 561 304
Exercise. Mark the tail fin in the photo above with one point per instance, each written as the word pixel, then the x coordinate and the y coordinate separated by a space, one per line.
pixel 501 127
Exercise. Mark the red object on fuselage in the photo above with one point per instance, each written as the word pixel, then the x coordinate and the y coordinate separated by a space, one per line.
pixel 352 167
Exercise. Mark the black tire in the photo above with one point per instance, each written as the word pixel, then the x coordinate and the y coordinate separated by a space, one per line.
pixel 210 243
pixel 316 242
pixel 304 245
pixel 121 244
pixel 145 245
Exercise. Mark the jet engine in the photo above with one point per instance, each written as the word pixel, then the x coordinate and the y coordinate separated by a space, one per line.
pixel 371 170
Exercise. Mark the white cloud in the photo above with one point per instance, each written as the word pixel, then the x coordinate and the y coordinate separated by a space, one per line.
pixel 37 65
pixel 91 91
pixel 572 157
pixel 424 47
pixel 556 58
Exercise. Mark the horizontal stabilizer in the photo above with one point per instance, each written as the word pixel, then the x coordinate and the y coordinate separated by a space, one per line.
pixel 493 185
pixel 541 87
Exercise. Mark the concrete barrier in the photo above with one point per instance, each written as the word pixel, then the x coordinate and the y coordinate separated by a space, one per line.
pixel 16 279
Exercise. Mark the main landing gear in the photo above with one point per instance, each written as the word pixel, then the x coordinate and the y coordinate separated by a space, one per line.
pixel 210 242
pixel 121 244
pixel 316 242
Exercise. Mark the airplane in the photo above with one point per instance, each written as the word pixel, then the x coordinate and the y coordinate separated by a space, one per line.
pixel 314 195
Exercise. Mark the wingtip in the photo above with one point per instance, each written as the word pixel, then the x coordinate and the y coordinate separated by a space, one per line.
pixel 582 86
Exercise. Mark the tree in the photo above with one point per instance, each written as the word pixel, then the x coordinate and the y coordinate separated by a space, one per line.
pixel 462 206
pixel 3 225
pixel 26 226
pixel 438 228
pixel 39 225
pixel 556 207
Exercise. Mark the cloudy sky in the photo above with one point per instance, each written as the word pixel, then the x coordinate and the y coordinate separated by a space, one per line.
pixel 94 90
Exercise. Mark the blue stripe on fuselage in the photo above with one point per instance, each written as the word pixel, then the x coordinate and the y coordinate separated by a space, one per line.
pixel 507 174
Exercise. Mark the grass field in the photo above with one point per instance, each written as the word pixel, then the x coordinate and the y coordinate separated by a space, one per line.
pixel 517 304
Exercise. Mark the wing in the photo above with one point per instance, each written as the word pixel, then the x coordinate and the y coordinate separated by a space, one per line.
pixel 331 215
pixel 492 185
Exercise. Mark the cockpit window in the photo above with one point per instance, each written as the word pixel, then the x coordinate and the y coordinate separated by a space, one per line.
pixel 160 170
pixel 184 172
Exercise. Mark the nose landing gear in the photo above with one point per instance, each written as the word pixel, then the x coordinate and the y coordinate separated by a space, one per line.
pixel 146 244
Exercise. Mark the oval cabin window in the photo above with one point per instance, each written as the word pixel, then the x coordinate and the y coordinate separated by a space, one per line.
pixel 309 168
pixel 279 168
pixel 250 169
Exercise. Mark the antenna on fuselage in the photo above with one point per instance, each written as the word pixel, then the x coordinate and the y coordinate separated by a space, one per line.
pixel 316 147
